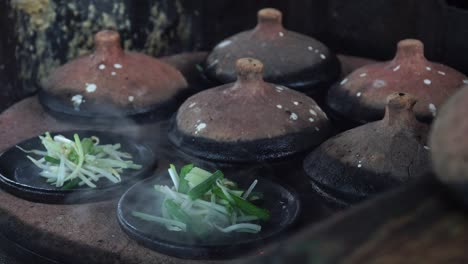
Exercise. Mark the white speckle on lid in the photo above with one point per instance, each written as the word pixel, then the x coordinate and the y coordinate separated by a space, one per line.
pixel 310 48
pixel 198 121
pixel 433 109
pixel 322 56
pixel 379 83
pixel 427 81
pixel 317 51
pixel 91 87
pixel 293 116
pixel 311 119
pixel 77 100
pixel 131 98
pixel 279 106
pixel 358 94
pixel 359 165
pixel 441 72
pixel 465 81
pixel 118 66
pixel 281 34
pixel 224 44
pixel 102 66
pixel 312 112
pixel 279 89
pixel 363 75
pixel 296 103
pixel 428 68
pixel 345 80
pixel 427 148
pixel 200 127
pixel 317 129
pixel 192 105
pixel 113 73
pixel 396 68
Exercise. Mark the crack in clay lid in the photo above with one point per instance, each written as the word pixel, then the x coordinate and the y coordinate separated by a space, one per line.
pixel 376 156
pixel 292 59
pixel 252 110
pixel 449 144
pixel 113 77
pixel 361 95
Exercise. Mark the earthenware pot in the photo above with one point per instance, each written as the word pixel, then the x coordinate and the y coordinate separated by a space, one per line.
pixel 374 157
pixel 449 144
pixel 248 120
pixel 291 59
pixel 112 82
pixel 361 96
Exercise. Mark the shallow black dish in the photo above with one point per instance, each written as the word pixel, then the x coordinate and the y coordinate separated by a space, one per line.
pixel 19 176
pixel 284 206
pixel 107 113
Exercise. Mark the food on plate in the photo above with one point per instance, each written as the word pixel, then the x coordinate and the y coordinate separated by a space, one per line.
pixel 200 202
pixel 68 163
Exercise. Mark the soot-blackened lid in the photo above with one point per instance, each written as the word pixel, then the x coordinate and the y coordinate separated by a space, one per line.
pixel 249 120
pixel 361 96
pixel 291 59
pixel 111 79
pixel 374 157
pixel 449 144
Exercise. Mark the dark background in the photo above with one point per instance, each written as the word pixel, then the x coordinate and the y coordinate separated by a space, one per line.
pixel 366 28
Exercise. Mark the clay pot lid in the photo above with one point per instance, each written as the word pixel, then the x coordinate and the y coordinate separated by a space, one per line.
pixel 373 157
pixel 449 144
pixel 111 78
pixel 360 96
pixel 276 121
pixel 291 59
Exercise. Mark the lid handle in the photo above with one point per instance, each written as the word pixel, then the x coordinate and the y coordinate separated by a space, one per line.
pixel 410 48
pixel 107 43
pixel 269 15
pixel 249 69
pixel 399 110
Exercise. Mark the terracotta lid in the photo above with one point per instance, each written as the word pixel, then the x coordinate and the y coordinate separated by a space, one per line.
pixel 249 119
pixel 111 78
pixel 291 59
pixel 449 144
pixel 374 157
pixel 360 96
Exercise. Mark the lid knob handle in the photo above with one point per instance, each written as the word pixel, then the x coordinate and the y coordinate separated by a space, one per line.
pixel 249 69
pixel 410 48
pixel 269 15
pixel 399 109
pixel 107 42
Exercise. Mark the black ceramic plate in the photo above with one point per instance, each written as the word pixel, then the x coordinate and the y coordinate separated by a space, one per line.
pixel 20 177
pixel 283 204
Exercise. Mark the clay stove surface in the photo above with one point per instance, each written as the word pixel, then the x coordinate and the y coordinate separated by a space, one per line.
pixel 85 233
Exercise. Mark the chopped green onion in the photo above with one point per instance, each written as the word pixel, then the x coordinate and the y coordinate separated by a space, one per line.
pixel 245 206
pixel 51 159
pixel 183 183
pixel 200 189
pixel 205 202
pixel 69 163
